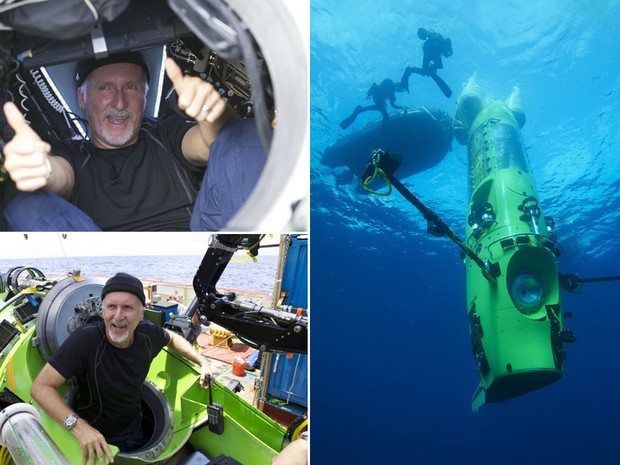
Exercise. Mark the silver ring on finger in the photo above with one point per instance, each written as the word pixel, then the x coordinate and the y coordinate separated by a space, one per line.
pixel 205 109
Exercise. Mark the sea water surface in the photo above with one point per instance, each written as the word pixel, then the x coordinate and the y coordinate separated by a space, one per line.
pixel 392 369
pixel 246 275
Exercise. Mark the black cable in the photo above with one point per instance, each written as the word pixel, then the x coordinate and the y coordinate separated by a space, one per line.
pixel 571 282
pixel 249 56
pixel 600 279
pixel 437 227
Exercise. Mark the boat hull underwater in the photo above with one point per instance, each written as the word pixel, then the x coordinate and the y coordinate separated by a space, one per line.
pixel 516 320
pixel 35 321
pixel 422 137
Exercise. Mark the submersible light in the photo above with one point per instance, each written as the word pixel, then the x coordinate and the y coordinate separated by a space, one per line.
pixel 29 444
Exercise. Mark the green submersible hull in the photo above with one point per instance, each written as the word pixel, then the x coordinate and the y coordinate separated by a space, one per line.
pixel 34 320
pixel 516 319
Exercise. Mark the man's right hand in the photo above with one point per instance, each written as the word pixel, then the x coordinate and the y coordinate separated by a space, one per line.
pixel 92 442
pixel 26 155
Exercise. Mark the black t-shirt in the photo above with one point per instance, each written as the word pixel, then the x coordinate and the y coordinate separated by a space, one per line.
pixel 147 186
pixel 109 379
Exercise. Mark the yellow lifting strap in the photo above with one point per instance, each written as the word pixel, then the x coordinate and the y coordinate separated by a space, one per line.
pixel 297 431
pixel 365 182
pixel 248 254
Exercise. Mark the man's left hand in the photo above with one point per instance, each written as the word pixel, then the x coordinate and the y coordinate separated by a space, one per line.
pixel 197 98
pixel 205 374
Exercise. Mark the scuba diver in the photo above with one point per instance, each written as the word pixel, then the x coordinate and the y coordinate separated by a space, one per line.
pixel 379 93
pixel 435 45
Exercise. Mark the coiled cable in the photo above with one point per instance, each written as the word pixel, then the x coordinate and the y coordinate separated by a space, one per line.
pixel 41 83
pixel 22 91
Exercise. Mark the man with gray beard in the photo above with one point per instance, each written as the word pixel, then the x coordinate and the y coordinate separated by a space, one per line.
pixel 133 173
pixel 109 360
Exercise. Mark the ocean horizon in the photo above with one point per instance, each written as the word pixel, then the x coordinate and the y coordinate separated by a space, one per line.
pixel 247 275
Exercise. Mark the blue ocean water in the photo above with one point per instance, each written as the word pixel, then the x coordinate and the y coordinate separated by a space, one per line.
pixel 391 368
pixel 246 275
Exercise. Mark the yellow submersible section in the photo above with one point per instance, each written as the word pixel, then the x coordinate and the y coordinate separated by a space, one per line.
pixel 516 321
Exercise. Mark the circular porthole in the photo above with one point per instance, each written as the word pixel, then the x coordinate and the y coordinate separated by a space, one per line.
pixel 527 292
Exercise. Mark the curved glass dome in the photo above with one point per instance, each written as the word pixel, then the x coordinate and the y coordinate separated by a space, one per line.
pixel 527 292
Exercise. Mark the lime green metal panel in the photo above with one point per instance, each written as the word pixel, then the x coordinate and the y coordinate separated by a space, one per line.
pixel 515 338
pixel 514 341
pixel 235 441
pixel 21 364
pixel 254 421
pixel 250 436
pixel 246 429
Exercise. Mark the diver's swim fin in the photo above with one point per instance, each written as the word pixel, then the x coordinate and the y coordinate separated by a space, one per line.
pixel 345 123
pixel 404 81
pixel 442 85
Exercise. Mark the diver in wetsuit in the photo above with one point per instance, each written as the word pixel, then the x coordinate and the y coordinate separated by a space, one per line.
pixel 435 46
pixel 379 93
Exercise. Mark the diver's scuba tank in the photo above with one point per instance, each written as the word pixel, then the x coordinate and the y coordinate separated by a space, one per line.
pixel 516 323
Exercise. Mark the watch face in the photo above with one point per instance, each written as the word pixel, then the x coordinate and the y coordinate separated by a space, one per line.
pixel 70 421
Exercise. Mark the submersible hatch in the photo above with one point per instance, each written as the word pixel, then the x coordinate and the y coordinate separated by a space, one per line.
pixel 516 321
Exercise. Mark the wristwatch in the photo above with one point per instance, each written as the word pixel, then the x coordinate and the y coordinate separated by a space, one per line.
pixel 70 421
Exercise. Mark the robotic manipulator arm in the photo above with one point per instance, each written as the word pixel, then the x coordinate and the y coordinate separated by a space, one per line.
pixel 281 330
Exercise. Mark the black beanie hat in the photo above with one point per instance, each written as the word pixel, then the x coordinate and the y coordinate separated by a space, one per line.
pixel 123 282
pixel 84 68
